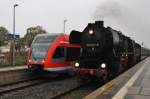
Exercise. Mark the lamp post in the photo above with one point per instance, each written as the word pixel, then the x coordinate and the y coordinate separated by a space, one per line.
pixel 14 6
pixel 65 25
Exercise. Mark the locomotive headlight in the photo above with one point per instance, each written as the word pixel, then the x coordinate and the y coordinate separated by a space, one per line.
pixel 103 65
pixel 91 32
pixel 77 64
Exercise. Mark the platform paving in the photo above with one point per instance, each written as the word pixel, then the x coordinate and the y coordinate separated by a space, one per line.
pixel 133 84
pixel 141 87
pixel 11 68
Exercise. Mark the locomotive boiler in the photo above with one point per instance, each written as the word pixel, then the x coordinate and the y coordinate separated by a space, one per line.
pixel 104 51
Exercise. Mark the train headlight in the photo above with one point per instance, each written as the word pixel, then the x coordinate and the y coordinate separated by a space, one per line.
pixel 43 61
pixel 103 65
pixel 77 64
pixel 30 60
pixel 91 32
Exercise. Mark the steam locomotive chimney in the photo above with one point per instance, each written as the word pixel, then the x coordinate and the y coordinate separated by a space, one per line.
pixel 99 23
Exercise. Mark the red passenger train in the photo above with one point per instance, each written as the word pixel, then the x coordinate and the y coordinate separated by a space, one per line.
pixel 48 52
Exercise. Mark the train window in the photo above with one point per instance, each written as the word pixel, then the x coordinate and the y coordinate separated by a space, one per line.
pixel 59 54
pixel 45 39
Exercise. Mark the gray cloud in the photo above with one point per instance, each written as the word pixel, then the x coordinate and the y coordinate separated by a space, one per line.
pixel 129 16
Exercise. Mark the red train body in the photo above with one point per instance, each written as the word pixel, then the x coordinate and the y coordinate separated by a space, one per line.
pixel 48 53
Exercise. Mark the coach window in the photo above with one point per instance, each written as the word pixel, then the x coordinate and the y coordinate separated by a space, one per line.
pixel 59 54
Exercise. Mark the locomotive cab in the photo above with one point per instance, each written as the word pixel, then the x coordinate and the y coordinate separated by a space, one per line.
pixel 39 49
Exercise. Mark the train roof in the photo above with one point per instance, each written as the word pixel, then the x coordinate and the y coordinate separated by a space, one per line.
pixel 51 34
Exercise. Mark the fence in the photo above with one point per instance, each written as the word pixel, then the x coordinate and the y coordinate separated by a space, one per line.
pixel 6 58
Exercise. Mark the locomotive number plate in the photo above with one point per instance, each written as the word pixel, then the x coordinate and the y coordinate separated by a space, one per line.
pixel 92 45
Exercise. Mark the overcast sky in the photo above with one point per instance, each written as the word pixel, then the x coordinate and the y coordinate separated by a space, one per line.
pixel 132 17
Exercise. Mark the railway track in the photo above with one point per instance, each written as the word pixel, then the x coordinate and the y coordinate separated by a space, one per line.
pixel 66 92
pixel 6 88
pixel 54 88
pixel 69 92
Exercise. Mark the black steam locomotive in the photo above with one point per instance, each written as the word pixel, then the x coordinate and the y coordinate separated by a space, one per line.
pixel 104 52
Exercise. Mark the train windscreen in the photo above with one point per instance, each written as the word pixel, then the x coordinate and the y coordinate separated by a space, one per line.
pixel 40 46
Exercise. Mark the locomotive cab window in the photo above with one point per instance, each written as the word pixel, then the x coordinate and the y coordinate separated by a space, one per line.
pixel 59 54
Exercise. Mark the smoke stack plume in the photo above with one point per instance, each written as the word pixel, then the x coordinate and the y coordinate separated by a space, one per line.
pixel 132 20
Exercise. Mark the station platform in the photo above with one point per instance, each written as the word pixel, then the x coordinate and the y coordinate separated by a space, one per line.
pixel 12 68
pixel 132 84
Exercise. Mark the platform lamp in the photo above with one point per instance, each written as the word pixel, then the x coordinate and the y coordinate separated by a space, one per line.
pixel 65 25
pixel 14 12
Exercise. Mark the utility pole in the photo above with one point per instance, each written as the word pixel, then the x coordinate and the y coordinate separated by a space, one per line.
pixel 14 6
pixel 65 25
